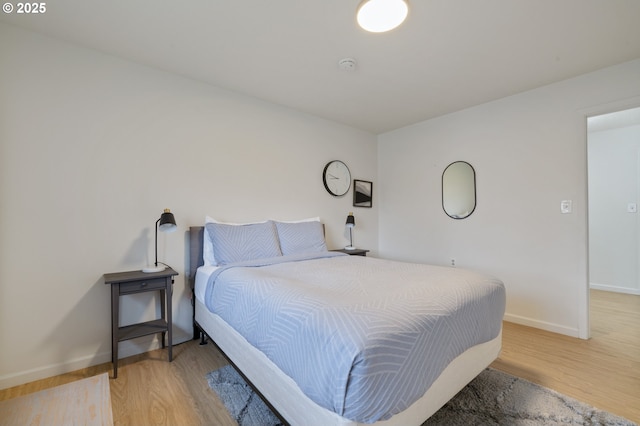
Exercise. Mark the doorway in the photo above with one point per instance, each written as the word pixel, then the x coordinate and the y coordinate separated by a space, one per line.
pixel 613 164
pixel 613 153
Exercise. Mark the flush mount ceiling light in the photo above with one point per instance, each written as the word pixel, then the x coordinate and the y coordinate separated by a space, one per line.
pixel 378 16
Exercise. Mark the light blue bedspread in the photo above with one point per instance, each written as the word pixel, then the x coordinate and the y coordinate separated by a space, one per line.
pixel 361 336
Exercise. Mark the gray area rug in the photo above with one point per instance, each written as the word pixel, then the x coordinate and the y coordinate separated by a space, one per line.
pixel 492 398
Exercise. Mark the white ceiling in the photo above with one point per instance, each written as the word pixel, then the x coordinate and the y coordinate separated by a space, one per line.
pixel 448 55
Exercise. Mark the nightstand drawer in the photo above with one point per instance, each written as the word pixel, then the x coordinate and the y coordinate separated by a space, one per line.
pixel 143 285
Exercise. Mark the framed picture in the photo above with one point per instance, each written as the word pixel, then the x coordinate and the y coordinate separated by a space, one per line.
pixel 362 193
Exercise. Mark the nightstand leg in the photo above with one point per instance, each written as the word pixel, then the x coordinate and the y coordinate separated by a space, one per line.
pixel 163 313
pixel 115 323
pixel 169 319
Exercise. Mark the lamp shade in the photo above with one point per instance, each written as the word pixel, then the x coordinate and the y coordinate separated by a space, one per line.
pixel 167 222
pixel 378 16
pixel 351 221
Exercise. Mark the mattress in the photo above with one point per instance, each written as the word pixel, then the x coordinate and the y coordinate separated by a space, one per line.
pixel 286 397
pixel 373 352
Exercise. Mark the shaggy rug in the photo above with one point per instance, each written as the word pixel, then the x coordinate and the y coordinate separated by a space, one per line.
pixel 492 398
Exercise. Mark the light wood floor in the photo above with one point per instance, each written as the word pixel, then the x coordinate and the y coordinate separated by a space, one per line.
pixel 603 371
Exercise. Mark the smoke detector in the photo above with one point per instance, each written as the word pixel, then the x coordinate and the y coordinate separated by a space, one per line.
pixel 347 64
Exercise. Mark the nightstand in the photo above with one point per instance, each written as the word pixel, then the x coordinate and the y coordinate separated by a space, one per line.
pixel 354 252
pixel 132 282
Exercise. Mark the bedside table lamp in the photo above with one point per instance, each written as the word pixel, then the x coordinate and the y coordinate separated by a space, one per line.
pixel 351 223
pixel 166 223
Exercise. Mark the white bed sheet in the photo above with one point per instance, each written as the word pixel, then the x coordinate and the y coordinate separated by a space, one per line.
pixel 283 393
pixel 202 278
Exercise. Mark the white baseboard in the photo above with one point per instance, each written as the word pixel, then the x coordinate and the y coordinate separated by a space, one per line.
pixel 125 349
pixel 543 325
pixel 615 289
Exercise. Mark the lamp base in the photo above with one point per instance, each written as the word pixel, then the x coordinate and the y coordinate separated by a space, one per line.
pixel 349 248
pixel 153 268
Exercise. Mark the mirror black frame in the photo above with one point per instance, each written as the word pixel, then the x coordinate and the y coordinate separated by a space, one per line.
pixel 475 197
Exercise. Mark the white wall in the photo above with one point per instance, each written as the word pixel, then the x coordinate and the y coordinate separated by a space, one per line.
pixel 614 232
pixel 529 154
pixel 93 148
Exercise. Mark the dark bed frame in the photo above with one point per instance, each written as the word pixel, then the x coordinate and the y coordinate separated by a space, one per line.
pixel 196 245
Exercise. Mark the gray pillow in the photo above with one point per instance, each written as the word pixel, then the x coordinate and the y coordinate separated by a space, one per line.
pixel 301 237
pixel 237 243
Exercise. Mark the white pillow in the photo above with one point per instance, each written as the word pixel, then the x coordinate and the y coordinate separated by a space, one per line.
pixel 207 245
pixel 311 219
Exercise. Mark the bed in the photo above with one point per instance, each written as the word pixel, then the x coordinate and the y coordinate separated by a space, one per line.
pixel 331 339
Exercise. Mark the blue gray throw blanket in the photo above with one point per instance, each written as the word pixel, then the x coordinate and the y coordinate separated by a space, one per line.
pixel 362 337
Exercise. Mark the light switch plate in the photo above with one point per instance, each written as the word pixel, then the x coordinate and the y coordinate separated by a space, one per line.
pixel 566 206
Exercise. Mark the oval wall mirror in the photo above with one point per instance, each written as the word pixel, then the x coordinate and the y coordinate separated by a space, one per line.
pixel 459 190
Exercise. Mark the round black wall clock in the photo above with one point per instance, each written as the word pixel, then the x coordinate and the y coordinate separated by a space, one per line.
pixel 336 178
